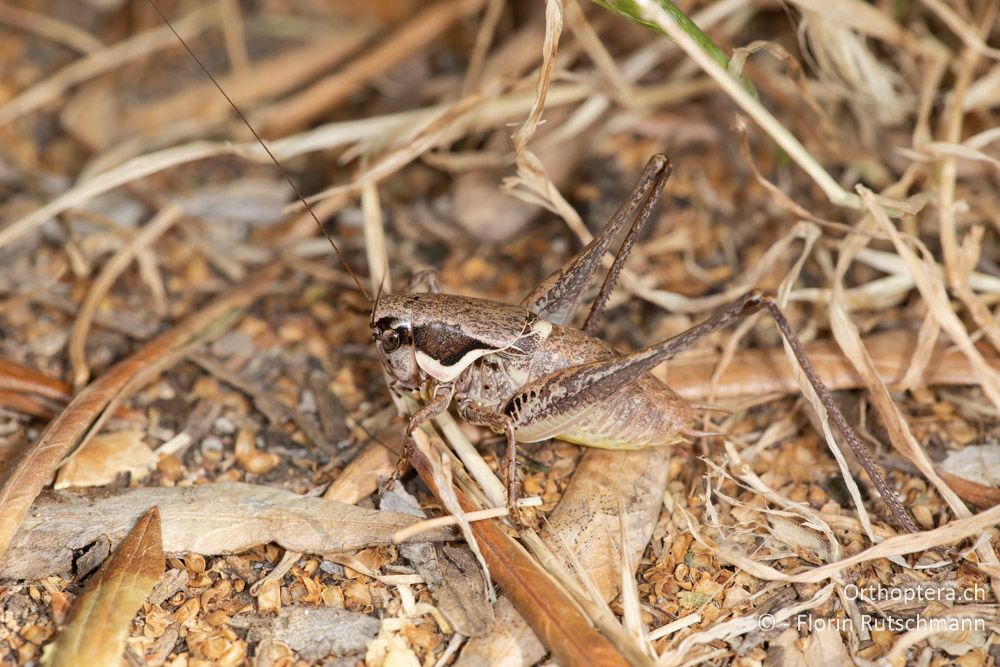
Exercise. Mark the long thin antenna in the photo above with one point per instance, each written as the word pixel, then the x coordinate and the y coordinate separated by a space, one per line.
pixel 298 193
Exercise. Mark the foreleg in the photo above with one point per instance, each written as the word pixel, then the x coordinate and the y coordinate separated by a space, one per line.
pixel 437 405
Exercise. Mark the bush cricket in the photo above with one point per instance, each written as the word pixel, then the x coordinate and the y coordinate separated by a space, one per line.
pixel 524 373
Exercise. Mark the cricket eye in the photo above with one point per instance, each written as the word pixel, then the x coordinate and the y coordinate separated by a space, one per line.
pixel 389 340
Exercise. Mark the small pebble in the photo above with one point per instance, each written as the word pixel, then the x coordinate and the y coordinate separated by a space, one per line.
pixel 211 448
pixel 308 402
pixel 330 567
pixel 224 426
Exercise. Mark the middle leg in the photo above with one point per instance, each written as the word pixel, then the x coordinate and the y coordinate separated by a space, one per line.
pixel 498 423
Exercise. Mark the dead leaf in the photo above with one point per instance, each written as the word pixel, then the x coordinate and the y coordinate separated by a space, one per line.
pixel 547 609
pixel 794 534
pixel 315 633
pixel 99 620
pixel 979 464
pixel 983 497
pixel 208 519
pixel 958 643
pixel 586 522
pixel 101 459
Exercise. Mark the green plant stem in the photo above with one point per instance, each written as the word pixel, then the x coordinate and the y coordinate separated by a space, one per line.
pixel 630 10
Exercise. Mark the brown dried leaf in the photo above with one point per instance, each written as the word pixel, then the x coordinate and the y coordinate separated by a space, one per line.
pixel 99 620
pixel 549 611
pixel 206 519
pixel 18 378
pixel 759 372
pixel 586 522
pixel 973 473
pixel 825 647
pixel 361 476
pixel 100 460
pixel 26 404
pixel 979 464
pixel 983 497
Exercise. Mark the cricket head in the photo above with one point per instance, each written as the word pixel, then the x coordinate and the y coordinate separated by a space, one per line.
pixel 392 330
pixel 423 336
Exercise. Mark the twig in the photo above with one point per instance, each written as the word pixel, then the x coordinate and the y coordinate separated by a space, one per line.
pixel 163 221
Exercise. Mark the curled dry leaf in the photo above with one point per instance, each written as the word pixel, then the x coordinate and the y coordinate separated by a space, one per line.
pixel 208 519
pixel 540 600
pixel 99 619
pixel 17 378
pixel 977 464
pixel 973 472
pixel 103 457
pixel 979 495
pixel 586 522
pixel 825 647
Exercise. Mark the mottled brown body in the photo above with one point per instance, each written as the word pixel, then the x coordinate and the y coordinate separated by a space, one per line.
pixel 521 371
pixel 641 413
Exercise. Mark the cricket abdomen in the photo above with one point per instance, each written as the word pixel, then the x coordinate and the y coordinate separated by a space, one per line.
pixel 637 414
pixel 646 413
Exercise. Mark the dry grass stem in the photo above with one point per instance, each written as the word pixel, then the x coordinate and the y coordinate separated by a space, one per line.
pixel 414 34
pixel 159 225
pixel 51 28
pixel 834 192
pixel 99 62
